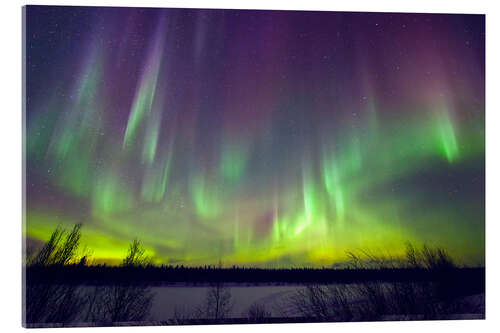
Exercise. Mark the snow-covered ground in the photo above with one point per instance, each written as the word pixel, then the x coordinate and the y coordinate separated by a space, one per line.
pixel 169 298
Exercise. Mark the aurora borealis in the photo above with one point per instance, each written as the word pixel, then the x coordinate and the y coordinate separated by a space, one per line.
pixel 258 138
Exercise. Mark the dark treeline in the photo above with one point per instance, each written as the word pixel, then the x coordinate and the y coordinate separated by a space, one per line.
pixel 102 274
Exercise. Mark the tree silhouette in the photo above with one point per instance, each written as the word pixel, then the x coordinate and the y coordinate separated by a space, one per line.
pixel 218 303
pixel 123 302
pixel 60 249
pixel 136 255
pixel 54 302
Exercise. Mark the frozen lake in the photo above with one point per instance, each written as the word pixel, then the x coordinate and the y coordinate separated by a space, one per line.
pixel 185 298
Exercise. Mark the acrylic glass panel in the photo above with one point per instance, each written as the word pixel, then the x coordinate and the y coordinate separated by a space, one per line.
pixel 210 166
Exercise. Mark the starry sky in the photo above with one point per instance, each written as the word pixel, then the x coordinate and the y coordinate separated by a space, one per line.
pixel 258 138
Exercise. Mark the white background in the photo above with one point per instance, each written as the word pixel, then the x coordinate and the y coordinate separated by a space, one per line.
pixel 11 157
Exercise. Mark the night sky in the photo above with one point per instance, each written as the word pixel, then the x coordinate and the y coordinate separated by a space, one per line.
pixel 258 138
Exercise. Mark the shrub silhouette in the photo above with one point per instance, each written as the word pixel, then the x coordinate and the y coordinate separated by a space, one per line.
pixel 60 302
pixel 47 303
pixel 119 303
pixel 136 256
pixel 122 302
pixel 53 303
pixel 323 302
pixel 60 249
pixel 428 298
pixel 257 313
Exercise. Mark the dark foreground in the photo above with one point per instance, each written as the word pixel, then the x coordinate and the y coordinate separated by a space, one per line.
pixel 76 295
